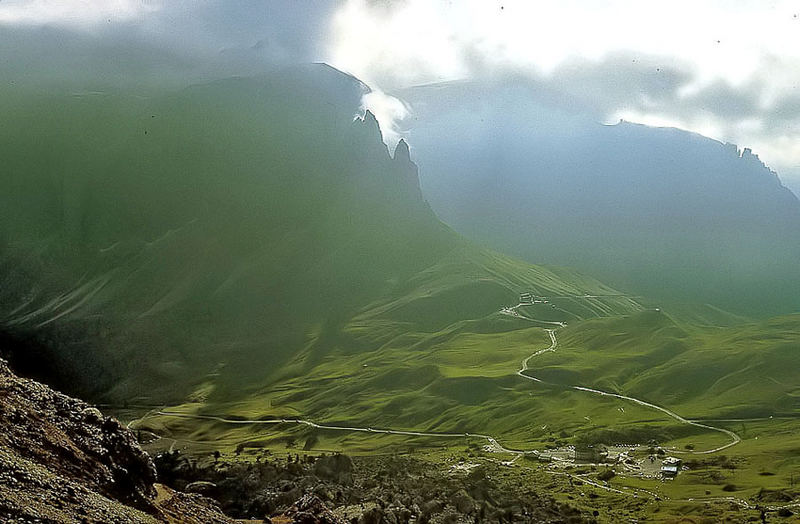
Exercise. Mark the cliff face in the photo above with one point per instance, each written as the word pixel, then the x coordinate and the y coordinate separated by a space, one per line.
pixel 63 461
pixel 408 170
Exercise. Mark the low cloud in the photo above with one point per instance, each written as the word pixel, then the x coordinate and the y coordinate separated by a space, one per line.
pixel 389 111
pixel 105 38
pixel 727 71
pixel 80 14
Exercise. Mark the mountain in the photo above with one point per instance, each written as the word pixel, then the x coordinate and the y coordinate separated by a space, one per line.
pixel 149 242
pixel 241 269
pixel 173 228
pixel 657 211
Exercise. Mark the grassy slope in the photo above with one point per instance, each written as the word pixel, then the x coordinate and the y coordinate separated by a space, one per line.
pixel 732 372
pixel 438 357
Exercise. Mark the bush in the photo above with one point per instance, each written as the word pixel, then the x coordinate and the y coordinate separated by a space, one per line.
pixel 607 475
pixel 729 487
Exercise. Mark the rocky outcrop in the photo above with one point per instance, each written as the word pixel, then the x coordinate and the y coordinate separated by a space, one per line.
pixel 402 154
pixel 62 460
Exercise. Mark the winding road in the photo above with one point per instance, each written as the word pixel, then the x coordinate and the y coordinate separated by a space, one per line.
pixel 735 439
pixel 492 441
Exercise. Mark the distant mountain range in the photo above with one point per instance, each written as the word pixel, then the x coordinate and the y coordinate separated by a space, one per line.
pixel 657 211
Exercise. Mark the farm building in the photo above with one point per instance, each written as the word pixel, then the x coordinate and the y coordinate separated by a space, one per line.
pixel 670 467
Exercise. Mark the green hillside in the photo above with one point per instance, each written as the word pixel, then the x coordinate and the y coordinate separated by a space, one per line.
pixel 147 240
pixel 388 385
pixel 391 373
pixel 733 372
pixel 152 237
pixel 439 357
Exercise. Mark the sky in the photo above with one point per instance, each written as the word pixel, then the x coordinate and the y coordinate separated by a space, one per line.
pixel 725 69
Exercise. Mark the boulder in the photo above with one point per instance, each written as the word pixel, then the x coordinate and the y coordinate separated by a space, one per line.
pixel 336 468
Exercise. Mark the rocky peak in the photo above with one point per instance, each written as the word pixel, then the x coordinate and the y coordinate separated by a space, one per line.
pixel 401 152
pixel 368 138
pixel 371 124
pixel 752 158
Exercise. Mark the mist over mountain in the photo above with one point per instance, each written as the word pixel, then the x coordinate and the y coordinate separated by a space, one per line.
pixel 231 232
pixel 658 211
pixel 141 237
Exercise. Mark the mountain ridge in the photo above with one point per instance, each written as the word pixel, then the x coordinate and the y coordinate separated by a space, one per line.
pixel 654 211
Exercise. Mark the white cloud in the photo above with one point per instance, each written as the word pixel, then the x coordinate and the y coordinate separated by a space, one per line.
pixel 389 111
pixel 76 13
pixel 748 49
pixel 728 69
pixel 441 38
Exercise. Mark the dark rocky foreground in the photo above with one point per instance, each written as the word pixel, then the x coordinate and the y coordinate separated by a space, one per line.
pixel 363 490
pixel 63 461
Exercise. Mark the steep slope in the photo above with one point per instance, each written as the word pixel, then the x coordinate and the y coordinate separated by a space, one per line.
pixel 661 212
pixel 63 461
pixel 149 242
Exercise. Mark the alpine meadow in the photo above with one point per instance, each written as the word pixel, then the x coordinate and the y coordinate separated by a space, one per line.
pixel 399 262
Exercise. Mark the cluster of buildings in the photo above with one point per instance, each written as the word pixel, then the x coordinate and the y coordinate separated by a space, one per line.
pixel 599 454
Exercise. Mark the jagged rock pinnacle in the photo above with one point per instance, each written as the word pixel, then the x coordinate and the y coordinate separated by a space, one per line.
pixel 401 152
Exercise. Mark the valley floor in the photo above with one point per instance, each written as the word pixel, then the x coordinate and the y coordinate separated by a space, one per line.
pixel 753 480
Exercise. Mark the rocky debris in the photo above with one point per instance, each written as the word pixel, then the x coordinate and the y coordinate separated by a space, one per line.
pixel 174 506
pixel 777 495
pixel 362 490
pixel 73 440
pixel 308 510
pixel 62 460
pixel 462 502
